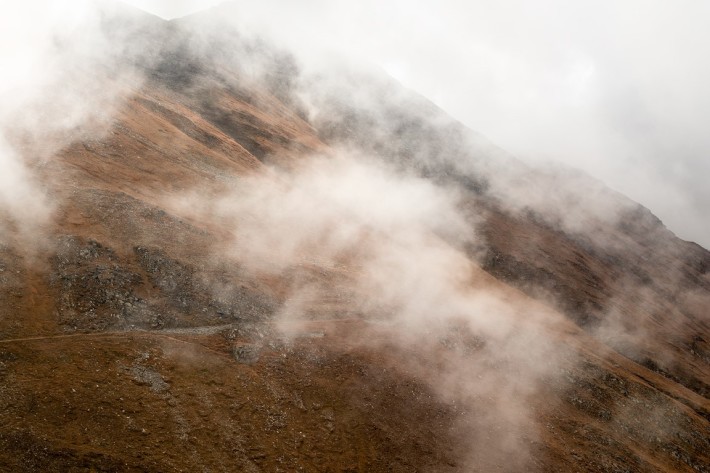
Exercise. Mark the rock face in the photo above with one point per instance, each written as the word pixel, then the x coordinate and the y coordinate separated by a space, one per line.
pixel 138 336
pixel 99 291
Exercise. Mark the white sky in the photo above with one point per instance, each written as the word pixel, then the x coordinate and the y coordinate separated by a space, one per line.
pixel 169 9
pixel 619 89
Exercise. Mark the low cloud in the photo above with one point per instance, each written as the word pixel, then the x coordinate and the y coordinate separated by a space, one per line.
pixel 391 248
pixel 614 89
pixel 64 74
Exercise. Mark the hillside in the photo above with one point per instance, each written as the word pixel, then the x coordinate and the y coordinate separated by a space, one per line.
pixel 248 269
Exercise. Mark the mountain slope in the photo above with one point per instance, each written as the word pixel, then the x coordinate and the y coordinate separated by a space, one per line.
pixel 137 336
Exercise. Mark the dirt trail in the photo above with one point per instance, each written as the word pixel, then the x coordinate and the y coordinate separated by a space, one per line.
pixel 141 333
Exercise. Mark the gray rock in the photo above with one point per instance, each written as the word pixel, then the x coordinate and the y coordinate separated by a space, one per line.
pixel 246 353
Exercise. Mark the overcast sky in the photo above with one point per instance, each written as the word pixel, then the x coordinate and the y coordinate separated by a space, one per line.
pixel 620 89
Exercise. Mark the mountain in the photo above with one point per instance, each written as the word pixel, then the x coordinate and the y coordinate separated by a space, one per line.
pixel 248 267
